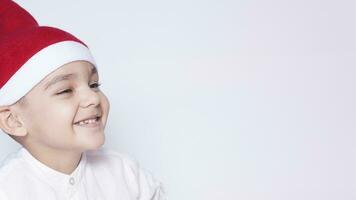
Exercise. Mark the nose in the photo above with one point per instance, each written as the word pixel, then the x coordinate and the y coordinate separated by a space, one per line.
pixel 89 97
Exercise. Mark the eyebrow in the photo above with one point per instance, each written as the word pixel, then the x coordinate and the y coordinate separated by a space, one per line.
pixel 63 77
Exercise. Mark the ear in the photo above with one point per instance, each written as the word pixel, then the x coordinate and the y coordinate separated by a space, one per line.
pixel 9 123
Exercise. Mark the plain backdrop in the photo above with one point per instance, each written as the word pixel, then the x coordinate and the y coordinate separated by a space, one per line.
pixel 225 99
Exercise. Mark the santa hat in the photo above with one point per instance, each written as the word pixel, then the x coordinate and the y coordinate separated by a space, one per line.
pixel 29 52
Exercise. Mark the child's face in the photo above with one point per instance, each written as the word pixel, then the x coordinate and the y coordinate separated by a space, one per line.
pixel 52 109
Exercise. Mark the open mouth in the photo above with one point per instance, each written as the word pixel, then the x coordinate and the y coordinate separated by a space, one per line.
pixel 91 122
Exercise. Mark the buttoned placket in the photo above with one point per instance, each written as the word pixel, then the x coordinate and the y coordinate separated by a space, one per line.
pixel 72 187
pixel 71 181
pixel 74 180
pixel 58 180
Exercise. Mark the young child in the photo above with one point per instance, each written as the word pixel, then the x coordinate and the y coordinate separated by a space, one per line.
pixel 50 103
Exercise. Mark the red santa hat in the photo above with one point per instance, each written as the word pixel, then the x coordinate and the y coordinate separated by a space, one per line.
pixel 29 52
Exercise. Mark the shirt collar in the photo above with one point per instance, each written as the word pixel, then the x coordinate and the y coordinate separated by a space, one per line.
pixel 56 179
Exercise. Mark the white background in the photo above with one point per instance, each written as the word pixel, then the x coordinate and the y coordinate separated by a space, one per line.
pixel 225 99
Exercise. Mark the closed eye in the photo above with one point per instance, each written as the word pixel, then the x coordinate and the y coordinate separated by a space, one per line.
pixel 64 91
pixel 95 85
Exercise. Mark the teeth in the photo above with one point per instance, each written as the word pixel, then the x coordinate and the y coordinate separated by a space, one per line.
pixel 88 121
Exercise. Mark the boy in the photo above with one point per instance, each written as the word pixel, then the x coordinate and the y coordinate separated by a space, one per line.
pixel 50 103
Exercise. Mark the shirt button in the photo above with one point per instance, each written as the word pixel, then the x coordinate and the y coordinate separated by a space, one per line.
pixel 71 181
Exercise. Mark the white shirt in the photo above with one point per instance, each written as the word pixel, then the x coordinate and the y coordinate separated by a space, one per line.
pixel 100 175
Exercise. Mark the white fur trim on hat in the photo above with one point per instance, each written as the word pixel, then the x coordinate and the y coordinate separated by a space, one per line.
pixel 39 66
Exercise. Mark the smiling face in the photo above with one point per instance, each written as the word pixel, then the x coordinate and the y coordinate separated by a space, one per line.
pixel 66 111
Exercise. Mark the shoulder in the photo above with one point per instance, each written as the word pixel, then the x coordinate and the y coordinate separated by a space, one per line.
pixel 13 176
pixel 114 162
pixel 11 165
pixel 104 157
pixel 140 181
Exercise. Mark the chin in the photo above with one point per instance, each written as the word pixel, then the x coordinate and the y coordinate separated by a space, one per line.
pixel 95 143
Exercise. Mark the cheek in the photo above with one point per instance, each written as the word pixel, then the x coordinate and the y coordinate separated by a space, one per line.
pixel 49 123
pixel 56 115
pixel 105 105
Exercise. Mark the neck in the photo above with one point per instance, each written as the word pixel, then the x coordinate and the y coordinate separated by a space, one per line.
pixel 63 161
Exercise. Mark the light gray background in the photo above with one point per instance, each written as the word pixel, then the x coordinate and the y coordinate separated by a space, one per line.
pixel 225 99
